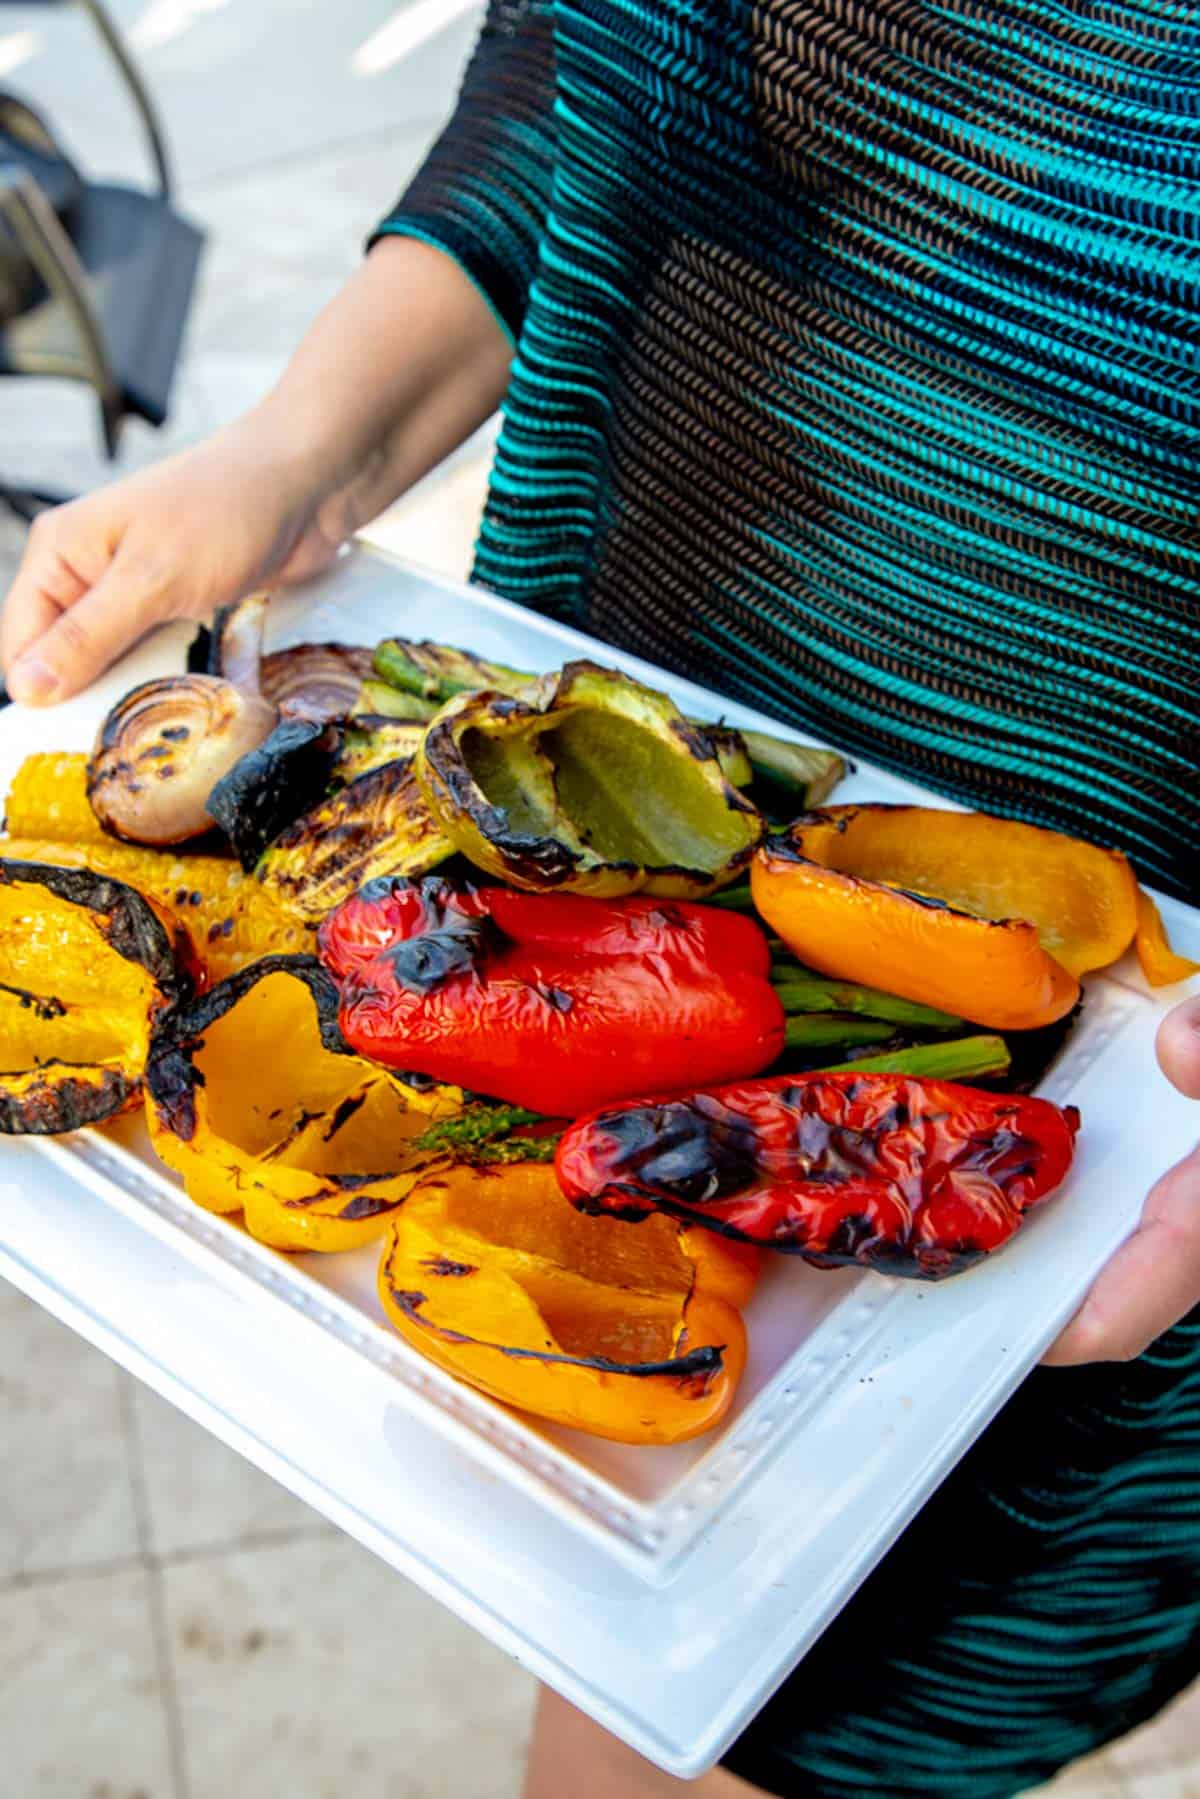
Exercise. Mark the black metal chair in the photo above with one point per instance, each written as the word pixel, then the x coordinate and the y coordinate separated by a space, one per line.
pixel 104 272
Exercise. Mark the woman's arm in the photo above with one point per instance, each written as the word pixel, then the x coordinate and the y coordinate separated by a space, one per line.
pixel 399 369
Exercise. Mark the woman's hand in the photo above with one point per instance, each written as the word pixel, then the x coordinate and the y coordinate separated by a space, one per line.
pixel 174 542
pixel 400 369
pixel 1154 1278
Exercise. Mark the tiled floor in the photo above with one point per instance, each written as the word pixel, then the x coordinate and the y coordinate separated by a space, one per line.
pixel 173 1625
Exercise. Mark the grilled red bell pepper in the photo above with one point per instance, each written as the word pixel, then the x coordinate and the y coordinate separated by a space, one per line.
pixel 551 1001
pixel 911 1177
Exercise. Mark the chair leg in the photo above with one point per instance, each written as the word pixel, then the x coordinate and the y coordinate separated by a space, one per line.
pixel 136 89
pixel 37 228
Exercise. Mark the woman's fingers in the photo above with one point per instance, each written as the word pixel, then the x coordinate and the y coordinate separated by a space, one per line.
pixel 47 582
pixel 70 643
pixel 1151 1282
pixel 1179 1047
pixel 1154 1278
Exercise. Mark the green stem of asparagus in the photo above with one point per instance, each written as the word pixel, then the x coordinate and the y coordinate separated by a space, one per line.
pixel 475 1125
pixel 820 1030
pixel 801 990
pixel 961 1059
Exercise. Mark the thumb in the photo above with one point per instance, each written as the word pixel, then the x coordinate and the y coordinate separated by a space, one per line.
pixel 90 632
pixel 1178 1047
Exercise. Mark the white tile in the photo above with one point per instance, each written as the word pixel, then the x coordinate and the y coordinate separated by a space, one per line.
pixel 238 84
pixel 1173 1736
pixel 81 1710
pixel 282 239
pixel 199 1494
pixel 316 1671
pixel 1092 1777
pixel 1177 1781
pixel 66 1499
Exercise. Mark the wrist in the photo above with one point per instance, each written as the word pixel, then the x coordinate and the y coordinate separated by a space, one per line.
pixel 308 447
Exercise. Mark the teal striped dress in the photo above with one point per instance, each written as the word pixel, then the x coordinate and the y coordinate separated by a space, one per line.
pixel 857 375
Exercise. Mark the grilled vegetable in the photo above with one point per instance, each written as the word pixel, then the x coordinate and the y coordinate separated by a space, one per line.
pixel 252 1096
pixel 48 799
pixel 803 991
pixel 377 701
pixel 435 671
pixel 86 966
pixel 803 774
pixel 550 1001
pixel 596 786
pixel 439 673
pixel 910 1177
pixel 1160 964
pixel 161 750
pixel 233 649
pixel 378 825
pixel 318 681
pixel 956 1059
pixel 370 743
pixel 631 1335
pixel 274 785
pixel 981 916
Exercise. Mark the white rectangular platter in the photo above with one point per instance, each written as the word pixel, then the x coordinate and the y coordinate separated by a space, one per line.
pixel 666 1592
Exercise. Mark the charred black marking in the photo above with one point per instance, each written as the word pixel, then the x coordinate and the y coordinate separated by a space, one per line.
pixel 557 999
pixel 694 740
pixel 271 786
pixel 422 965
pixel 55 1103
pixel 781 847
pixel 343 1113
pixel 678 1150
pixel 704 1364
pixel 442 1265
pixel 929 903
pixel 44 1005
pixel 175 733
pixel 852 1235
pixel 153 753
pixel 367 1207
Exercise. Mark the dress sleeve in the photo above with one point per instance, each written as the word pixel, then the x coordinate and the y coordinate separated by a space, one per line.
pixel 483 193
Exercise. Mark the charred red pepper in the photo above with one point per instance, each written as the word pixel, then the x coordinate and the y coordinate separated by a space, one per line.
pixel 910 1177
pixel 551 1001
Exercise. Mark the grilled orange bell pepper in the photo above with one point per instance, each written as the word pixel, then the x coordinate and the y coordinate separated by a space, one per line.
pixel 635 1335
pixel 1160 964
pixel 985 917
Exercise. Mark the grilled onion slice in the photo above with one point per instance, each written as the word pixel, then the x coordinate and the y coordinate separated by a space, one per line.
pixel 162 749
